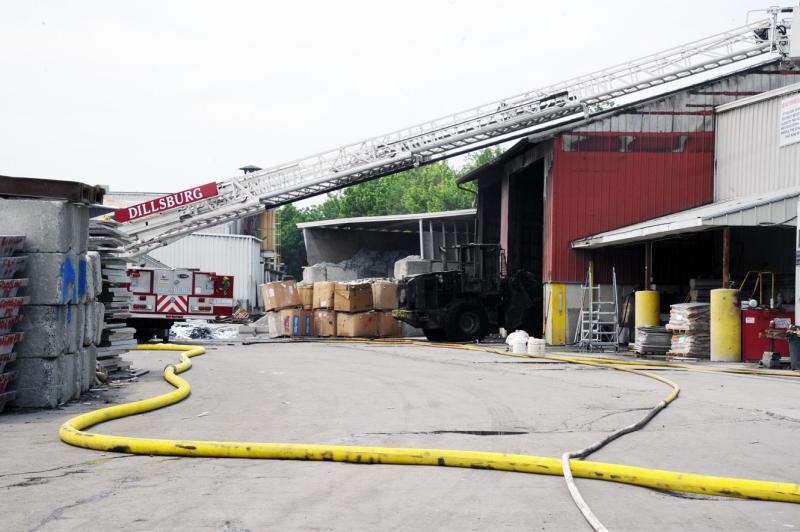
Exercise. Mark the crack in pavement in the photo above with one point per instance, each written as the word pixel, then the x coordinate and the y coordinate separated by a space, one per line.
pixel 69 466
pixel 56 514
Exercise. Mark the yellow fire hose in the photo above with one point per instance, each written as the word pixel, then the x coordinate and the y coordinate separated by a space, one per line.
pixel 72 432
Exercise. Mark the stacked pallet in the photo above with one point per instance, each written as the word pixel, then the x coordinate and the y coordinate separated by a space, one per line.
pixel 357 309
pixel 11 302
pixel 652 340
pixel 115 297
pixel 690 325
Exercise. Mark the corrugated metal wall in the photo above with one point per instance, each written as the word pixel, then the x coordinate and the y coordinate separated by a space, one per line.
pixel 639 164
pixel 595 186
pixel 749 158
pixel 235 255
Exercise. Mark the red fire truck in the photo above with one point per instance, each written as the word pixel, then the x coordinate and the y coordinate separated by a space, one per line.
pixel 163 296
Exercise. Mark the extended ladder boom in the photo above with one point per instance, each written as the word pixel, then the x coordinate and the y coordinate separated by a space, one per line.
pixel 509 118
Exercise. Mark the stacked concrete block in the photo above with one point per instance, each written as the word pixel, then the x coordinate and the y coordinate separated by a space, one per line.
pixel 11 301
pixel 413 265
pixel 60 319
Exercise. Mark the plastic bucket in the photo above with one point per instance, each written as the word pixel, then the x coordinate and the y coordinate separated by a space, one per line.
pixel 536 346
pixel 518 345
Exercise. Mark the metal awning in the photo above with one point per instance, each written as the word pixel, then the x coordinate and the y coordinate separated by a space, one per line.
pixel 778 207
pixel 393 222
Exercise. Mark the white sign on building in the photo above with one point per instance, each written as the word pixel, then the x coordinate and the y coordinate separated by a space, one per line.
pixel 790 120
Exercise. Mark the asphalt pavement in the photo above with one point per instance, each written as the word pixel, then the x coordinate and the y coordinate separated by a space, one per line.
pixel 401 396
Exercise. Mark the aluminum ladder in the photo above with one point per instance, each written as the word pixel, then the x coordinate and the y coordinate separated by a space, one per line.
pixel 598 323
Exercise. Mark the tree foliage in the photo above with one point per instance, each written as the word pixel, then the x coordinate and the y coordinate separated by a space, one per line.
pixel 428 188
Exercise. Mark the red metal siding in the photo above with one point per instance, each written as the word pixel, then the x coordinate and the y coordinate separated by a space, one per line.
pixel 605 180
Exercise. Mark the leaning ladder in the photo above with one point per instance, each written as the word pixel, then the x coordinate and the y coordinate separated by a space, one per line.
pixel 598 325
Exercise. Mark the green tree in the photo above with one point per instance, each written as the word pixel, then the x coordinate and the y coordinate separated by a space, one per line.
pixel 428 188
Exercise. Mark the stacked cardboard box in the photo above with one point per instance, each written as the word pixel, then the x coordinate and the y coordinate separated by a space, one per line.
pixel 283 301
pixel 356 309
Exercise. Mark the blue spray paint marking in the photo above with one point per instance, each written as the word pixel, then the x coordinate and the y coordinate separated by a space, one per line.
pixel 81 278
pixel 67 281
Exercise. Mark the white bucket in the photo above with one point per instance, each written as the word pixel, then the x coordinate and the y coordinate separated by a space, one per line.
pixel 536 346
pixel 518 345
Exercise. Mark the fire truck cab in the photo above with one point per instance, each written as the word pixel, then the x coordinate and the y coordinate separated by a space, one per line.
pixel 160 297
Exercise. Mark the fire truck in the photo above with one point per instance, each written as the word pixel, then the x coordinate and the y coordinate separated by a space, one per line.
pixel 163 296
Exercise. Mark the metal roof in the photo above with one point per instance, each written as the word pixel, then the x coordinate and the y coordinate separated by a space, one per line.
pixel 552 129
pixel 395 222
pixel 771 208
pixel 767 95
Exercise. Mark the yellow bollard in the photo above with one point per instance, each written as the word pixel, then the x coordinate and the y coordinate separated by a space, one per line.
pixel 726 326
pixel 648 305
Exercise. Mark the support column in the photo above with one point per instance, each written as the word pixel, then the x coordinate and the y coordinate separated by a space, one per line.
pixel 421 240
pixel 726 257
pixel 504 211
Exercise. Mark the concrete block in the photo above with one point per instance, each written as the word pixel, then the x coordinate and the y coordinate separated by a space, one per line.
pixel 49 226
pixel 96 267
pixel 80 328
pixel 412 265
pixel 72 377
pixel 262 329
pixel 314 274
pixel 89 324
pixel 88 362
pixel 47 382
pixel 246 330
pixel 99 317
pixel 57 279
pixel 50 330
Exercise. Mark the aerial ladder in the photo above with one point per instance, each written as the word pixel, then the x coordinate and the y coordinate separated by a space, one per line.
pixel 159 222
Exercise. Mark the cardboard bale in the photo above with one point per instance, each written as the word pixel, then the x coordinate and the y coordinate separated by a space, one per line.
pixel 388 327
pixel 280 294
pixel 274 324
pixel 325 323
pixel 360 325
pixel 297 322
pixel 352 297
pixel 323 295
pixel 384 295
pixel 306 295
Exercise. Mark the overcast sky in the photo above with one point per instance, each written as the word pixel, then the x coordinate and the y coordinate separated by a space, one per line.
pixel 164 95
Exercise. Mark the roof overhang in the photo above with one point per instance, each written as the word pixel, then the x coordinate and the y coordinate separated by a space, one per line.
pixel 775 208
pixel 393 223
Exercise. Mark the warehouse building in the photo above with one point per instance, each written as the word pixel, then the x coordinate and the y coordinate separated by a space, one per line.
pixel 557 200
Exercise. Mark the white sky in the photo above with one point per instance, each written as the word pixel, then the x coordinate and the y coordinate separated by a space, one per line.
pixel 164 95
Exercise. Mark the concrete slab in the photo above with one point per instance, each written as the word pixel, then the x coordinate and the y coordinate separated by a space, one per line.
pixel 739 426
pixel 412 265
pixel 48 226
pixel 96 268
pixel 46 382
pixel 58 279
pixel 51 330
